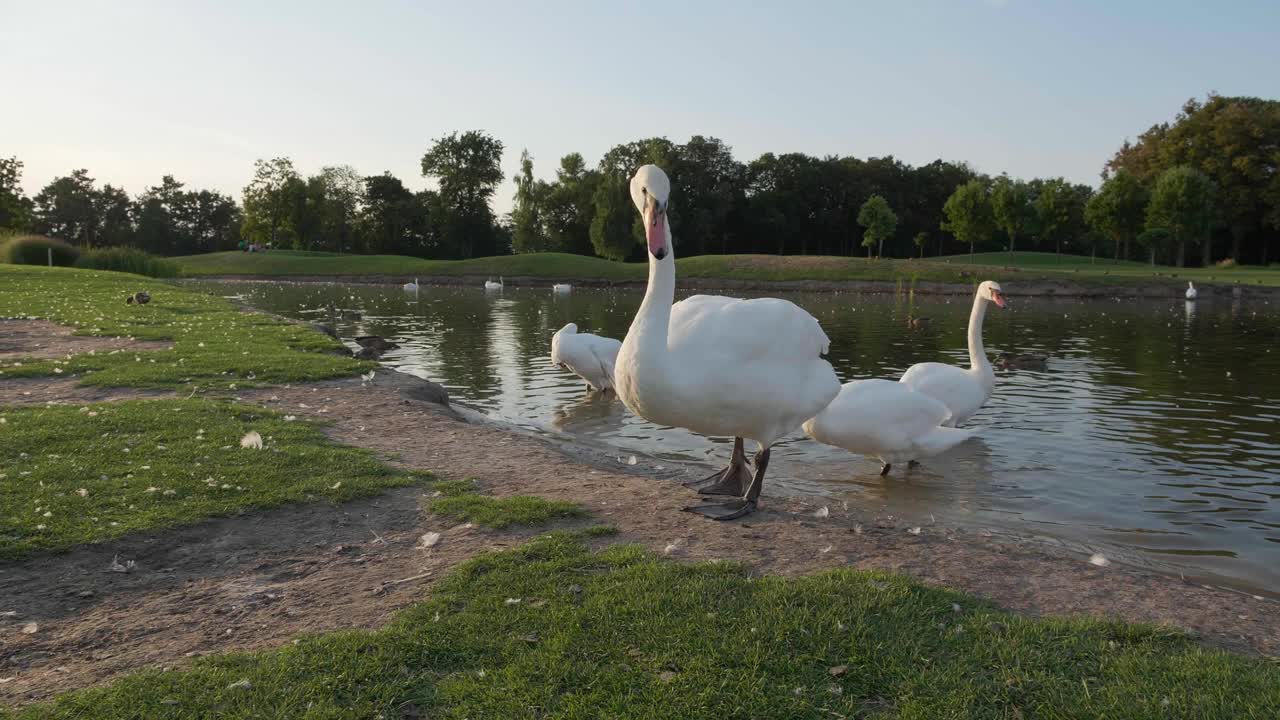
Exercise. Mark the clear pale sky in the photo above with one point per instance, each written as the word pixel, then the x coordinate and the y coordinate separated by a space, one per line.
pixel 134 90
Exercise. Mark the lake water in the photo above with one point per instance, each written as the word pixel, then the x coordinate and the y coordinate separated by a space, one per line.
pixel 1151 437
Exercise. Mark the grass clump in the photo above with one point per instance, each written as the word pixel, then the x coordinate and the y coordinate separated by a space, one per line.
pixel 129 260
pixel 34 250
pixel 502 512
pixel 214 343
pixel 552 630
pixel 73 475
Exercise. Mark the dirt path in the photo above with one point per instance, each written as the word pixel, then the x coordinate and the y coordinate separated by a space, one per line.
pixel 240 583
pixel 45 340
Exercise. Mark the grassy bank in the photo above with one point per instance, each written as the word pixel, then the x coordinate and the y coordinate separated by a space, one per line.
pixel 555 630
pixel 214 343
pixel 1021 266
pixel 72 475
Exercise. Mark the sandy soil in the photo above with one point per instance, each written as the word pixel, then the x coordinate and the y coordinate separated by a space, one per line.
pixel 239 583
pixel 45 340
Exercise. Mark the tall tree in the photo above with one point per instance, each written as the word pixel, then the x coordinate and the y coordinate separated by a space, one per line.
pixel 1119 210
pixel 163 218
pixel 467 168
pixel 1053 210
pixel 65 209
pixel 968 213
pixel 569 207
pixel 1012 208
pixel 1182 204
pixel 15 207
pixel 114 211
pixel 920 239
pixel 385 218
pixel 268 200
pixel 880 222
pixel 342 188
pixel 527 232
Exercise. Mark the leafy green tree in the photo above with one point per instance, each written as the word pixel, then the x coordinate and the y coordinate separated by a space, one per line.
pixel 114 211
pixel 880 222
pixel 163 218
pixel 920 239
pixel 968 213
pixel 269 199
pixel 1182 203
pixel 1156 241
pixel 15 206
pixel 467 167
pixel 385 220
pixel 569 206
pixel 711 184
pixel 527 231
pixel 341 188
pixel 1012 208
pixel 1054 206
pixel 611 234
pixel 1118 210
pixel 65 209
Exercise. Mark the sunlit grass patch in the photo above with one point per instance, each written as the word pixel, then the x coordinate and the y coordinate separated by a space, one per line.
pixel 72 475
pixel 214 343
pixel 552 630
pixel 503 512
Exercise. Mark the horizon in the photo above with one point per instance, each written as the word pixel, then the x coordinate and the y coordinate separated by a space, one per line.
pixel 983 82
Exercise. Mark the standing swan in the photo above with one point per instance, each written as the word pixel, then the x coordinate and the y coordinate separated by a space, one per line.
pixel 1191 291
pixel 886 420
pixel 962 391
pixel 588 356
pixel 718 366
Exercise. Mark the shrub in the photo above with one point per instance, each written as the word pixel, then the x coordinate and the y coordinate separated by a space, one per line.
pixel 130 260
pixel 34 250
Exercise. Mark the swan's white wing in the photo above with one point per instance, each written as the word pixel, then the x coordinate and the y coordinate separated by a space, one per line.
pixel 750 329
pixel 590 357
pixel 954 387
pixel 887 420
pixel 605 353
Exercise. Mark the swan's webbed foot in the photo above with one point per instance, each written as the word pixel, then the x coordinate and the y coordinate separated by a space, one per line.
pixel 733 480
pixel 731 510
pixel 885 470
pixel 745 505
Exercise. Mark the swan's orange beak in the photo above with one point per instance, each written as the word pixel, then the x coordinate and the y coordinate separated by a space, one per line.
pixel 999 298
pixel 655 220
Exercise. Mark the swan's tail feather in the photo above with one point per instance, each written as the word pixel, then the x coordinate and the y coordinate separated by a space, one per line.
pixel 943 439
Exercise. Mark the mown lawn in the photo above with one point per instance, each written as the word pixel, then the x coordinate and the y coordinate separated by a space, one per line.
pixel 72 475
pixel 956 268
pixel 553 630
pixel 214 343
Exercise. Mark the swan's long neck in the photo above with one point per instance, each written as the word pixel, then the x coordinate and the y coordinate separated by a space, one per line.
pixel 649 328
pixel 977 353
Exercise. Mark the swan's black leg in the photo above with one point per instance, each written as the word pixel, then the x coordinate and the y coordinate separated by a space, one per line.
pixel 745 505
pixel 885 470
pixel 733 480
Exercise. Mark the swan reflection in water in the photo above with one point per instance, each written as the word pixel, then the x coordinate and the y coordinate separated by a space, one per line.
pixel 592 413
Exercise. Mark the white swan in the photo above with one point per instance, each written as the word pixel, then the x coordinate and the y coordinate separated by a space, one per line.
pixel 886 420
pixel 1191 291
pixel 491 285
pixel 411 287
pixel 562 288
pixel 588 356
pixel 718 366
pixel 962 391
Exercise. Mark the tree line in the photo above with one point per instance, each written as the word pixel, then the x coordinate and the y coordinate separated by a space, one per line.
pixel 1207 181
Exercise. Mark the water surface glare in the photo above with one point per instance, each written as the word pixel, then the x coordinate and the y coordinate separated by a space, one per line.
pixel 1152 435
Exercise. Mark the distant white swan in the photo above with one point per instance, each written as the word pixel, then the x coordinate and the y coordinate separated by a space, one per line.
pixel 718 366
pixel 562 287
pixel 962 391
pixel 590 357
pixel 1192 293
pixel 411 287
pixel 886 420
pixel 491 285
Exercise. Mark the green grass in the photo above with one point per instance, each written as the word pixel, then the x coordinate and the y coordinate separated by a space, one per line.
pixel 552 630
pixel 130 260
pixel 73 475
pixel 503 512
pixel 214 344
pixel 954 269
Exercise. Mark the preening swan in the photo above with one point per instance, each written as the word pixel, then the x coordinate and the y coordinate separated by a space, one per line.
pixel 718 366
pixel 1191 291
pixel 962 391
pixel 411 287
pixel 886 420
pixel 491 285
pixel 561 288
pixel 588 356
